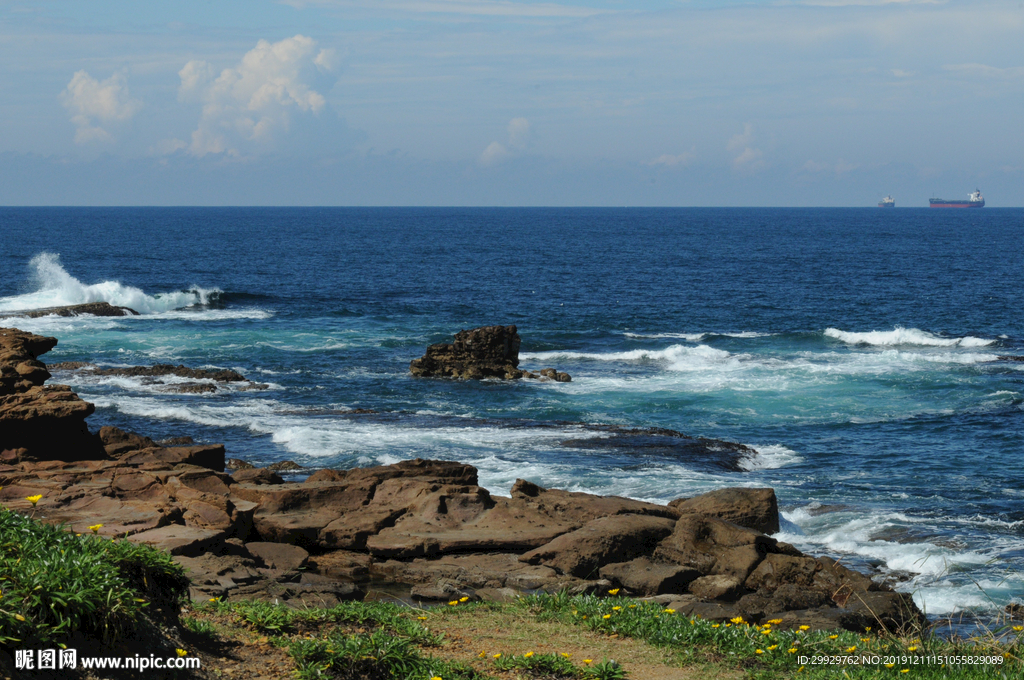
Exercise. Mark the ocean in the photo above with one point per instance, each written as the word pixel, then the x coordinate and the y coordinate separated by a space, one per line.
pixel 856 351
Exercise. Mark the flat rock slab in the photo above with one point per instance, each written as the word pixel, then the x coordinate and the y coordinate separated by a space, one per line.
pixel 180 540
pixel 279 555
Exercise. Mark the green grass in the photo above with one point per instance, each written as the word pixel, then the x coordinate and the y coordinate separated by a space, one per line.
pixel 764 652
pixel 53 582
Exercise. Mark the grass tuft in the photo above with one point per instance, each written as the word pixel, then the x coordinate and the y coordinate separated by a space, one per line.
pixel 53 582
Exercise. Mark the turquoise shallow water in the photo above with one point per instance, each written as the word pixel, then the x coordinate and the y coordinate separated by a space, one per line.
pixel 856 350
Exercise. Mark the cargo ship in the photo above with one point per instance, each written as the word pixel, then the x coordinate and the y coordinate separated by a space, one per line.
pixel 975 200
pixel 887 202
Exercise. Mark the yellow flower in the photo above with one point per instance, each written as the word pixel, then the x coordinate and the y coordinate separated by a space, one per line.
pixel 865 639
pixel 772 647
pixel 95 528
pixel 436 677
pixel 805 627
pixel 181 652
pixel 775 622
pixel 566 654
pixel 607 616
pixel 766 631
pixel 528 655
pixel 800 670
pixel 791 650
pixel 715 625
pixel 464 599
pixel 670 611
pixel 759 651
pixel 632 606
pixel 867 629
pixel 889 665
pixel 614 592
pixel 738 620
pixel 34 499
pixel 586 660
pixel 615 609
pixel 832 637
pixel 851 650
pixel 421 618
pixel 905 670
pixel 912 648
pixel 498 655
pixel 1018 628
pixel 453 603
pixel 482 654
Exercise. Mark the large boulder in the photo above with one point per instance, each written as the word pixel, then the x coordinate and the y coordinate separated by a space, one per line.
pixel 618 538
pixel 756 509
pixel 37 421
pixel 488 352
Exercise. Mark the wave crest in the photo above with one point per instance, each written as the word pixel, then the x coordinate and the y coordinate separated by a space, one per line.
pixel 904 336
pixel 55 287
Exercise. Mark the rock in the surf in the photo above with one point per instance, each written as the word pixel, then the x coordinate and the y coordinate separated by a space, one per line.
pixel 487 352
pixel 39 421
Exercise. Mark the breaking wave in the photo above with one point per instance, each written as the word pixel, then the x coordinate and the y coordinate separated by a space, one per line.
pixel 904 336
pixel 55 287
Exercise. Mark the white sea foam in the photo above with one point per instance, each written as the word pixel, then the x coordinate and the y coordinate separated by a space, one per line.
pixel 675 357
pixel 770 457
pixel 696 337
pixel 55 287
pixel 188 314
pixel 937 584
pixel 904 336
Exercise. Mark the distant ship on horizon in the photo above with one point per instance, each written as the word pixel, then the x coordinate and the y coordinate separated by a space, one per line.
pixel 974 200
pixel 887 202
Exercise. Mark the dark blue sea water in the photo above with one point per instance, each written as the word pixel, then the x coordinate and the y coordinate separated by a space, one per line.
pixel 856 350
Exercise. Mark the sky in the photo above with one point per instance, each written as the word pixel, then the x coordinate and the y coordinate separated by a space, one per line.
pixel 511 102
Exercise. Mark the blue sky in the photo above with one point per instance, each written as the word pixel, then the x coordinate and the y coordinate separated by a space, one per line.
pixel 508 102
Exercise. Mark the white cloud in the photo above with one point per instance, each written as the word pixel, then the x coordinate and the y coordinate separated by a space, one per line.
pixel 518 133
pixel 668 160
pixel 750 159
pixel 256 99
pixel 741 140
pixel 91 101
pixel 518 136
pixel 494 153
pixel 900 73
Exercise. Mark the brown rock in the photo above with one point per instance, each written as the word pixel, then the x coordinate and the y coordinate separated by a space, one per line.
pixel 208 456
pixel 221 375
pixel 699 542
pixel 253 475
pixel 491 570
pixel 716 587
pixel 618 538
pixel 776 570
pixel 117 442
pixel 279 555
pixel 491 351
pixel 92 308
pixel 756 509
pixel 181 540
pixel 644 577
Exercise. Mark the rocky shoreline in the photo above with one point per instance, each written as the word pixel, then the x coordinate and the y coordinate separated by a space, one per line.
pixel 420 528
